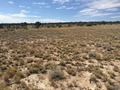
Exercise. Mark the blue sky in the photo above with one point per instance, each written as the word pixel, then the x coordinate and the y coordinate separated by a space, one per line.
pixel 15 11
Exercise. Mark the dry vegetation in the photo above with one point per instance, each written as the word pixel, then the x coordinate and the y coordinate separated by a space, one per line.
pixel 76 58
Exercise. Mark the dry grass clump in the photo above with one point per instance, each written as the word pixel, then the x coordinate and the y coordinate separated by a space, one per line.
pixel 63 63
pixel 116 69
pixel 95 55
pixel 71 71
pixel 23 86
pixel 29 61
pixel 49 66
pixel 2 68
pixel 112 85
pixel 91 68
pixel 21 62
pixel 97 72
pixel 37 68
pixel 56 73
pixel 3 50
pixel 109 87
pixel 93 79
pixel 112 75
pixel 3 86
pixel 17 77
pixel 92 55
pixel 9 73
pixel 108 57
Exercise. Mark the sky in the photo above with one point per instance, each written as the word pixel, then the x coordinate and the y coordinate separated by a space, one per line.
pixel 16 11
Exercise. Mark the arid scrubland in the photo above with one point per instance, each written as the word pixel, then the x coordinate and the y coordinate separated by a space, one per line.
pixel 76 58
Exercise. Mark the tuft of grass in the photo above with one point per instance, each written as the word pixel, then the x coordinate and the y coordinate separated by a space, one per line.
pixel 112 75
pixel 3 86
pixel 37 69
pixel 99 74
pixel 56 73
pixel 9 73
pixel 71 71
pixel 62 63
pixel 24 86
pixel 17 77
pixel 111 86
pixel 116 69
pixel 93 79
pixel 95 55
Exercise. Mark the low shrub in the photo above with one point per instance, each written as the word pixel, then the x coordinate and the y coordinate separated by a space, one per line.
pixel 56 74
pixel 71 71
pixel 37 69
pixel 9 73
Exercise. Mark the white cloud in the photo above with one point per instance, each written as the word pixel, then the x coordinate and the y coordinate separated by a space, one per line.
pixel 21 6
pixel 70 8
pixel 21 14
pixel 104 4
pixel 64 7
pixel 39 3
pixel 10 2
pixel 20 17
pixel 47 6
pixel 11 19
pixel 99 8
pixel 61 1
pixel 52 20
pixel 24 11
pixel 112 9
pixel 91 13
pixel 17 18
pixel 88 10
pixel 116 17
pixel 83 0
